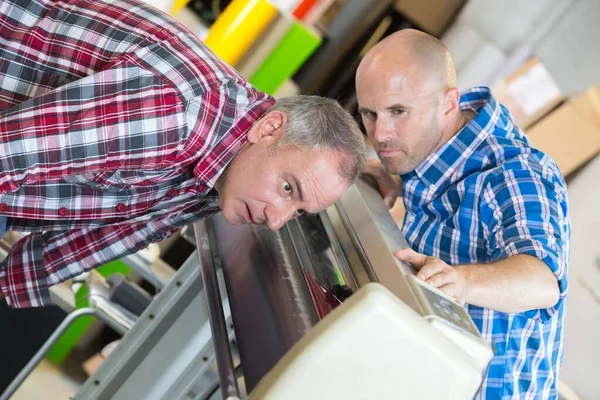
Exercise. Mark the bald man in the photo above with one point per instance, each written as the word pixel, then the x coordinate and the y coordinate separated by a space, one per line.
pixel 486 214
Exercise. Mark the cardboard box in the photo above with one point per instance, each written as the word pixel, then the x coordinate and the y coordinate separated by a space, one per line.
pixel 571 133
pixel 433 16
pixel 588 105
pixel 529 93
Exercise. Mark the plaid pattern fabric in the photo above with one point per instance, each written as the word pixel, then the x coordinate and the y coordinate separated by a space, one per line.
pixel 484 196
pixel 115 123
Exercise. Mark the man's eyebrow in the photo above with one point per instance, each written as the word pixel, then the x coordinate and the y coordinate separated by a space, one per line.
pixel 392 107
pixel 299 186
pixel 396 106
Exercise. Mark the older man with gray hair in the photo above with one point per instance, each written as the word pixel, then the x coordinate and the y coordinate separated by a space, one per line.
pixel 118 127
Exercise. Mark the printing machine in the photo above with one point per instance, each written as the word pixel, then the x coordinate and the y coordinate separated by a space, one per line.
pixel 320 309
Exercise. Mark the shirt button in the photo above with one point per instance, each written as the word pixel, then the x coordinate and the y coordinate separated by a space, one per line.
pixel 171 192
pixel 63 212
pixel 3 207
pixel 121 207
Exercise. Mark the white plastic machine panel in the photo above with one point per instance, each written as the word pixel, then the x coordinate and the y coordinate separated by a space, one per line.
pixel 376 233
pixel 373 346
pixel 452 320
pixel 440 306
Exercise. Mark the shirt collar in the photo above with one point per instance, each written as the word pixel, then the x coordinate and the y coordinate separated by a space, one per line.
pixel 210 167
pixel 440 169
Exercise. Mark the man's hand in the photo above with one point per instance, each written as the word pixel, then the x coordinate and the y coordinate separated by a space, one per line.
pixel 515 284
pixel 450 280
pixel 388 187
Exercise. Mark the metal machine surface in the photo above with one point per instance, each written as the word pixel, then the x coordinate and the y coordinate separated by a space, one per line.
pixel 349 245
pixel 320 308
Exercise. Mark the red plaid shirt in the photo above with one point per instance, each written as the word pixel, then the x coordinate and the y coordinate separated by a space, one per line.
pixel 115 123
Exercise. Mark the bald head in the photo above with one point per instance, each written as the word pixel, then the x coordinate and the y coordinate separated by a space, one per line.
pixel 407 98
pixel 414 55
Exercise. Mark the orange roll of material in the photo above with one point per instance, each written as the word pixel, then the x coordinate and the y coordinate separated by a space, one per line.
pixel 303 8
pixel 238 27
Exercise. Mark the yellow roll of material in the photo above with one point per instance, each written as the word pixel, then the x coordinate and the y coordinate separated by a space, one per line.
pixel 262 47
pixel 238 27
pixel 178 5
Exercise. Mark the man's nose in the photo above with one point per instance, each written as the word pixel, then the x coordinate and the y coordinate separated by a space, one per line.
pixel 278 216
pixel 383 131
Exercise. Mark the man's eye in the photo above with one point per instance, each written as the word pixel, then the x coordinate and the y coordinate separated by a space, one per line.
pixel 287 187
pixel 398 111
pixel 369 115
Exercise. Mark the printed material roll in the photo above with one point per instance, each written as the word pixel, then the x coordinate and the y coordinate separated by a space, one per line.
pixel 264 45
pixel 291 52
pixel 238 27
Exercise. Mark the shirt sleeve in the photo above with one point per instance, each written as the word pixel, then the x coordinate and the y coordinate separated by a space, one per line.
pixel 525 213
pixel 121 118
pixel 41 260
pixel 110 121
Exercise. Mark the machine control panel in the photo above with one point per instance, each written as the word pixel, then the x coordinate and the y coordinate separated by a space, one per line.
pixel 440 305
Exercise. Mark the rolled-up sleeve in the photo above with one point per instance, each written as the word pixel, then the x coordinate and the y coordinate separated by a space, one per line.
pixel 41 260
pixel 527 214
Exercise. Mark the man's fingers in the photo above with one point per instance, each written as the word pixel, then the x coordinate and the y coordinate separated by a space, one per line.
pixel 387 189
pixel 432 267
pixel 375 175
pixel 442 275
pixel 409 255
pixel 390 200
pixel 449 289
pixel 388 194
pixel 452 289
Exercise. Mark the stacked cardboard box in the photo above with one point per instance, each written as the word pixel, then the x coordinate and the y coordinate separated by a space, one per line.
pixel 571 133
pixel 567 129
pixel 529 93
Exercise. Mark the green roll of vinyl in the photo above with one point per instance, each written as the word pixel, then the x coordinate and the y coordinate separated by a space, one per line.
pixel 264 45
pixel 289 55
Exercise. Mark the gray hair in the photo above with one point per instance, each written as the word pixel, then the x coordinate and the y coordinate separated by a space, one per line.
pixel 321 123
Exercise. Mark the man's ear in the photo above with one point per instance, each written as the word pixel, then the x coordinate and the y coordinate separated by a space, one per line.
pixel 268 127
pixel 451 102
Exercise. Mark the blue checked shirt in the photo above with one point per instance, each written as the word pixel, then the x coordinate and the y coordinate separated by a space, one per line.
pixel 484 196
